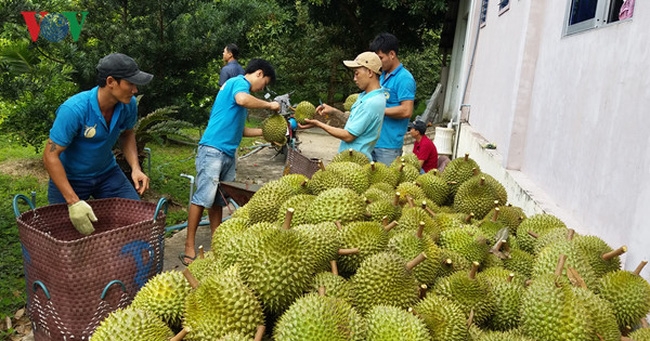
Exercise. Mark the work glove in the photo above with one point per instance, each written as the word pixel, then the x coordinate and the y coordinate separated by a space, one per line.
pixel 82 216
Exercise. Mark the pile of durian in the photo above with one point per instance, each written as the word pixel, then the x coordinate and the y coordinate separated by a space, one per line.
pixel 367 251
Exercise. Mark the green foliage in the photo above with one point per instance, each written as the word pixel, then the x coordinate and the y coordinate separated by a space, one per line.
pixel 158 126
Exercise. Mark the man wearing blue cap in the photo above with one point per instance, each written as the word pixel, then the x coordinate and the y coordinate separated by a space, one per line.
pixel 79 152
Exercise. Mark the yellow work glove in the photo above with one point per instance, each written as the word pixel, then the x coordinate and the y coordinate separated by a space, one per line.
pixel 82 216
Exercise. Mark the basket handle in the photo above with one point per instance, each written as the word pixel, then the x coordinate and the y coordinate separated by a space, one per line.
pixel 105 291
pixel 40 284
pixel 161 202
pixel 26 199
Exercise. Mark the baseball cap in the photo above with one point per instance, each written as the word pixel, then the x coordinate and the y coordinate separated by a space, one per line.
pixel 122 66
pixel 366 59
pixel 419 126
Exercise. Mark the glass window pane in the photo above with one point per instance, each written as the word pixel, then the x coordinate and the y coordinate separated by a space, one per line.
pixel 582 10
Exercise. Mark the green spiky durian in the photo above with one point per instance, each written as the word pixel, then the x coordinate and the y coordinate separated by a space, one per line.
pixel 264 204
pixel 349 101
pixel 452 262
pixel 230 252
pixel 380 173
pixel 406 172
pixel 601 315
pixel 601 257
pixel 387 323
pixel 301 204
pixel 205 266
pixel 132 324
pixel 296 182
pixel 502 336
pixel 377 210
pixel 313 318
pixel 507 300
pixel 538 224
pixel 448 221
pixel 642 334
pixel 411 219
pixel 304 110
pixel 409 159
pixel 469 242
pixel 458 171
pixel 352 175
pixel 323 180
pixel 546 262
pixel 519 261
pixel 510 216
pixel 351 155
pixel 471 293
pixel 228 229
pixel 550 311
pixel 278 267
pixel 374 194
pixel 322 241
pixel 335 286
pixel 445 319
pixel 337 204
pixel 369 237
pixel 434 187
pixel 408 190
pixel 235 336
pixel 274 129
pixel 629 295
pixel 409 245
pixel 164 295
pixel 476 195
pixel 222 304
pixel 371 287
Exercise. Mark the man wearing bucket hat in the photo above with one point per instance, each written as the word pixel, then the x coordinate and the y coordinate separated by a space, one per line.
pixel 361 131
pixel 423 147
pixel 79 152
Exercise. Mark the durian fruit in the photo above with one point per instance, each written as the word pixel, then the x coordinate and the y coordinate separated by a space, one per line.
pixel 322 241
pixel 381 209
pixel 337 204
pixel 304 110
pixel 230 252
pixel 132 324
pixel 469 242
pixel 352 175
pixel 408 189
pixel 374 194
pixel 264 204
pixel 206 265
pixel 278 267
pixel 228 229
pixel 601 257
pixel 222 304
pixel 550 310
pixel 510 216
pixel 334 285
pixel 434 187
pixel 519 261
pixel 388 323
pixel 349 101
pixel 507 300
pixel 372 288
pixel 408 245
pixel 406 172
pixel 546 262
pixel 552 237
pixel 351 155
pixel 477 195
pixel 234 336
pixel 448 221
pixel 490 226
pixel 384 186
pixel 502 336
pixel 472 294
pixel 642 334
pixel 367 237
pixel 314 317
pixel 301 203
pixel 297 182
pixel 458 171
pixel 409 159
pixel 323 180
pixel 241 212
pixel 381 173
pixel 164 295
pixel 274 129
pixel 629 295
pixel 601 315
pixel 452 262
pixel 412 218
pixel 444 318
pixel 538 225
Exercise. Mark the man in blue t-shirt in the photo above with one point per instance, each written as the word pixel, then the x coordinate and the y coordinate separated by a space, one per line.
pixel 79 152
pixel 361 131
pixel 232 67
pixel 399 87
pixel 215 160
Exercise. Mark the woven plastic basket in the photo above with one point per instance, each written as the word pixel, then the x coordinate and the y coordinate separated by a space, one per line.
pixel 74 281
pixel 300 164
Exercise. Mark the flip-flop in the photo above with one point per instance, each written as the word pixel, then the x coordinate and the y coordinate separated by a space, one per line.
pixel 182 257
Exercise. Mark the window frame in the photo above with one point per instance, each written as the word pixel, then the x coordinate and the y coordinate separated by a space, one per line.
pixel 504 8
pixel 483 14
pixel 602 17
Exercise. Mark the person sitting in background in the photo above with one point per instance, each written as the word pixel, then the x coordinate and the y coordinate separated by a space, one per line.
pixel 423 147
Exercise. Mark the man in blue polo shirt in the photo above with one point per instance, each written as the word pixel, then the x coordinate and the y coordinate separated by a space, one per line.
pixel 79 152
pixel 361 130
pixel 399 87
pixel 215 160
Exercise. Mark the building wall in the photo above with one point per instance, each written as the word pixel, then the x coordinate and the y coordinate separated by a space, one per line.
pixel 569 116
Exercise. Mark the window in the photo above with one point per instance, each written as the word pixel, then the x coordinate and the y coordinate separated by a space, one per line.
pixel 484 7
pixel 504 5
pixel 588 14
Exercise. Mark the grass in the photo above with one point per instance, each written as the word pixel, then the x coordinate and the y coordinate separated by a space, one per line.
pixel 167 163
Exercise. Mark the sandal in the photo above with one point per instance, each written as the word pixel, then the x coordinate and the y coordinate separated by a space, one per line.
pixel 183 258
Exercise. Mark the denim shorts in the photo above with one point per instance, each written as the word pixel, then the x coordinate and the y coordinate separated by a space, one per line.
pixel 386 155
pixel 112 184
pixel 212 166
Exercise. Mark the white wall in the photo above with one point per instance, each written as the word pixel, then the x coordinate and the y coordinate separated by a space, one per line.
pixel 569 116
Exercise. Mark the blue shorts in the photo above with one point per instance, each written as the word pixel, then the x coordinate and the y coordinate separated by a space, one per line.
pixel 112 184
pixel 212 166
pixel 386 155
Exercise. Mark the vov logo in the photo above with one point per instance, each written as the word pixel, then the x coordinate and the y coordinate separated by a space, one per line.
pixel 54 26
